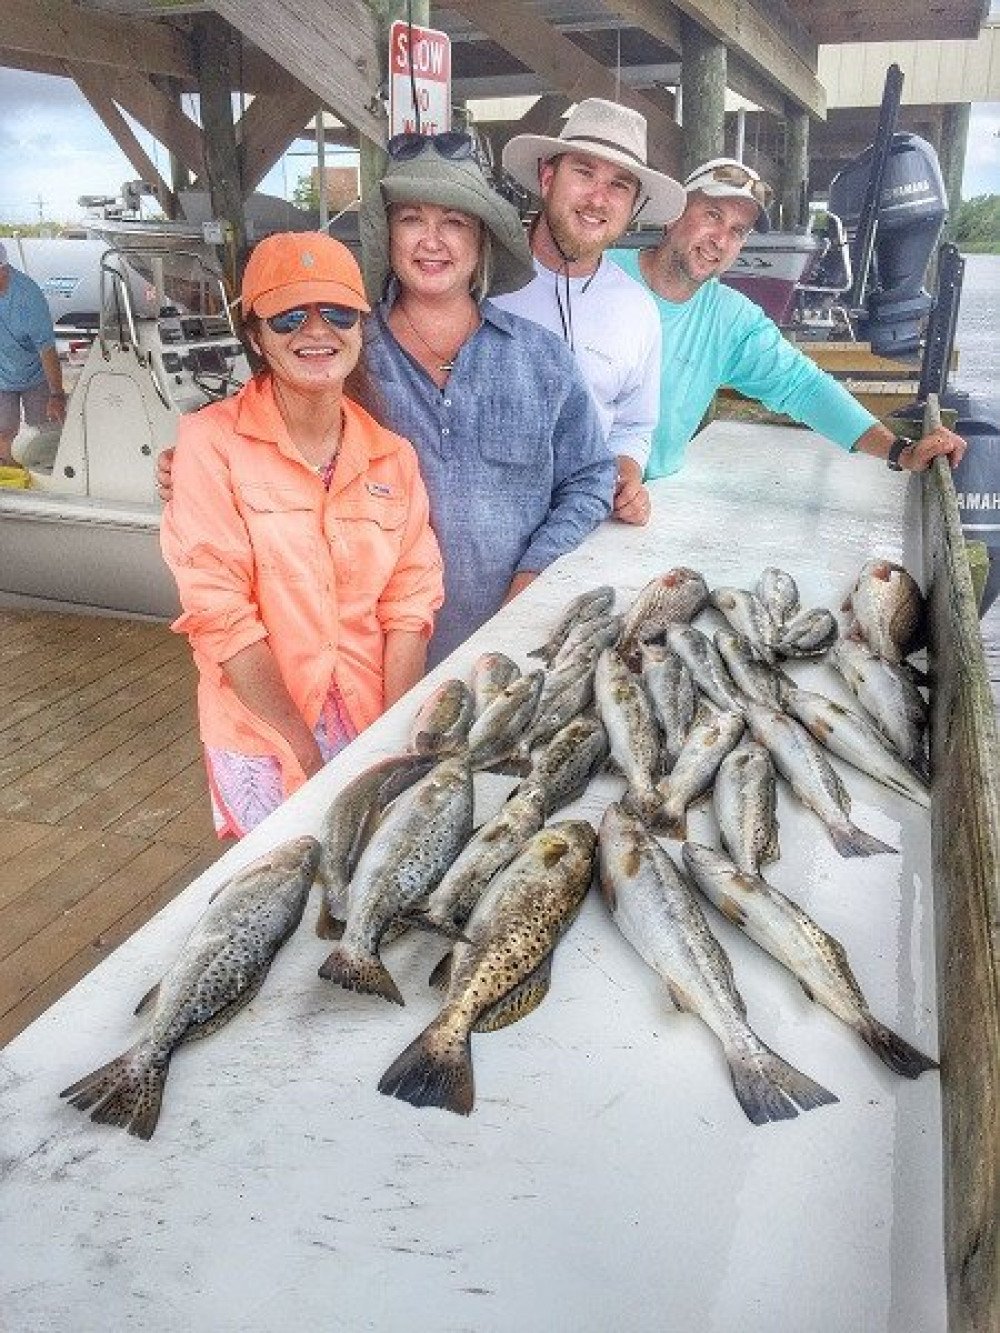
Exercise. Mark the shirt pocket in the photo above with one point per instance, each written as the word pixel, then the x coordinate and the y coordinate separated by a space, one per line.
pixel 516 432
pixel 369 536
pixel 284 532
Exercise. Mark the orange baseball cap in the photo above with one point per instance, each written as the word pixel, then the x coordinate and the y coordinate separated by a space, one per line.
pixel 295 268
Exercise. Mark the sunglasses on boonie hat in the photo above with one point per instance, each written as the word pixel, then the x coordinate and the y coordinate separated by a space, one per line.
pixel 341 317
pixel 451 144
pixel 734 179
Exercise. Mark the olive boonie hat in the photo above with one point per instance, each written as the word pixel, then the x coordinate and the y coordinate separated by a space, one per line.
pixel 429 178
pixel 295 268
pixel 612 132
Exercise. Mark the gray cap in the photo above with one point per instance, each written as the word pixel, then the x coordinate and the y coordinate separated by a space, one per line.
pixel 430 178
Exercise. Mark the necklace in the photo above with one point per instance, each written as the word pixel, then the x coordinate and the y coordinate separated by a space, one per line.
pixel 444 363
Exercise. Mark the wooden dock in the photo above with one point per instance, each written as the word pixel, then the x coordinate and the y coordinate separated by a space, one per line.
pixel 103 795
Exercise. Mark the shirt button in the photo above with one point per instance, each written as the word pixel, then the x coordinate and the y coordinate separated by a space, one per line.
pixel 447 402
pixel 445 430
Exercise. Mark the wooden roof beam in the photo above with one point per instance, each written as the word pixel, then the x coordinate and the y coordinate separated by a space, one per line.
pixel 775 45
pixel 269 124
pixel 57 30
pixel 94 89
pixel 517 27
pixel 330 49
pixel 161 116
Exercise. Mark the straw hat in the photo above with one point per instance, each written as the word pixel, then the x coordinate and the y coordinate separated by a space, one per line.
pixel 611 132
pixel 430 178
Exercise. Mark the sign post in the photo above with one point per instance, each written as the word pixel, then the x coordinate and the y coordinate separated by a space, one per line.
pixel 419 80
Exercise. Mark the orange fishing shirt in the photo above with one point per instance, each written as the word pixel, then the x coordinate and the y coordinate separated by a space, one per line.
pixel 261 550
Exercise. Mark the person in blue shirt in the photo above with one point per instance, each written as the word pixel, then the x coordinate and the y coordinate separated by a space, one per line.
pixel 510 444
pixel 714 336
pixel 30 374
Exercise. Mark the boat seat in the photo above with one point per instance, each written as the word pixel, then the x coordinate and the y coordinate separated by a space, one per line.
pixel 35 447
pixel 830 274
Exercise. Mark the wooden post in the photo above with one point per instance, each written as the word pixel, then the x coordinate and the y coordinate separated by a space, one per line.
pixel 954 133
pixel 794 185
pixel 373 158
pixel 216 56
pixel 703 95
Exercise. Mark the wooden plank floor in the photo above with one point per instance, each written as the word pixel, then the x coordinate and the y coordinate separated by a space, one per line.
pixel 103 799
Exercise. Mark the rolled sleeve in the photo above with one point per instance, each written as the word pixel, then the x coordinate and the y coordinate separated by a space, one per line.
pixel 207 546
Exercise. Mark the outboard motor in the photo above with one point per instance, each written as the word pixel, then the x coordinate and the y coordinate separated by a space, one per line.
pixel 912 210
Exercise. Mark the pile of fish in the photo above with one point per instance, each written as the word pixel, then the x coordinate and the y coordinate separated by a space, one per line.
pixel 680 715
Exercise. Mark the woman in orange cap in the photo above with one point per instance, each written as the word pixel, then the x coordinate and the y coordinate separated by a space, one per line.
pixel 298 534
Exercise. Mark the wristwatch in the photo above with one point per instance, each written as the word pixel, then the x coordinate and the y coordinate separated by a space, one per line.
pixel 895 450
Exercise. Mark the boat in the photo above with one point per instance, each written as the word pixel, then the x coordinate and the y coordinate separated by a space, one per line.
pixel 80 528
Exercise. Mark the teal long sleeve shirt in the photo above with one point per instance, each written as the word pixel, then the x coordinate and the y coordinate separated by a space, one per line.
pixel 719 337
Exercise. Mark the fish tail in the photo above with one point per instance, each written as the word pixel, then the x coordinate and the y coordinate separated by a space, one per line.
pixel 892 1050
pixel 647 805
pixel 545 653
pixel 365 973
pixel 850 840
pixel 434 1070
pixel 127 1091
pixel 769 1088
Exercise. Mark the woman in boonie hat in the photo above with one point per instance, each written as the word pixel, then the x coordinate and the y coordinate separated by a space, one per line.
pixel 510 446
pixel 298 534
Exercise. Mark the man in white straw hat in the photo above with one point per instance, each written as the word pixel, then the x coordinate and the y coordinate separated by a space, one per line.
pixel 30 373
pixel 713 335
pixel 593 181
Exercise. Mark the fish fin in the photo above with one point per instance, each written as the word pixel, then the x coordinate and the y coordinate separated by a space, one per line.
pixel 431 1072
pixel 419 919
pixel 768 1088
pixel 544 653
pixel 148 999
pixel 772 849
pixel 328 926
pixel 669 826
pixel 892 1050
pixel 732 909
pixel 395 930
pixel 514 766
pixel 366 974
pixel 222 1016
pixel 441 976
pixel 127 1091
pixel 522 1000
pixel 853 841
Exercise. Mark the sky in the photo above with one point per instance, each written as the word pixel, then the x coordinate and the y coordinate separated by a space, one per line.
pixel 53 148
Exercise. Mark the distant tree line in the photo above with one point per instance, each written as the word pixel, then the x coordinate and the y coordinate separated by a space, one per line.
pixel 977 224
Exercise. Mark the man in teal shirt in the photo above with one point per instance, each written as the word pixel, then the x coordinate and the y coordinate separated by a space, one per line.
pixel 714 336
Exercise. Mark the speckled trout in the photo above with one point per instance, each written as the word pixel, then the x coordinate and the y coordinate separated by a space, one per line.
pixel 416 842
pixel 220 969
pixel 502 972
pixel 815 958
pixel 659 915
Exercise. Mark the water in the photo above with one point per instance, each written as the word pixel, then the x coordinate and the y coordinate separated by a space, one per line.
pixel 979 374
pixel 976 335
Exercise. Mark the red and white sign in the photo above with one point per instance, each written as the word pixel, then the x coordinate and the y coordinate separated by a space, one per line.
pixel 429 53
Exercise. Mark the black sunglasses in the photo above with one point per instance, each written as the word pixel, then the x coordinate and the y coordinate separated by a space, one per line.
pixel 452 144
pixel 337 316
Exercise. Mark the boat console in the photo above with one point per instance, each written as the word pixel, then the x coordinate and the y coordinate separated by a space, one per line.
pixel 166 345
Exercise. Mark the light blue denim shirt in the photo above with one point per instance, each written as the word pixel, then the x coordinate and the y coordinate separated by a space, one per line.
pixel 511 451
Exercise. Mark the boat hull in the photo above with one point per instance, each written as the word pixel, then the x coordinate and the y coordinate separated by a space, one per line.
pixel 57 554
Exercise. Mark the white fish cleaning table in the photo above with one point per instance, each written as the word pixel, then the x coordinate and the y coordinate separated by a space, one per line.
pixel 607 1178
